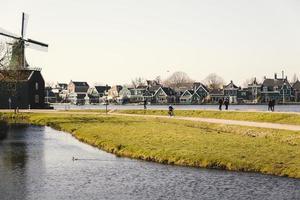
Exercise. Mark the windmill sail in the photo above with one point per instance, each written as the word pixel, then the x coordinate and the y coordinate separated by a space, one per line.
pixel 8 34
pixel 24 24
pixel 17 55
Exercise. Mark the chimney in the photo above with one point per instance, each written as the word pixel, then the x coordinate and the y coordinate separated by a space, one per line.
pixel 282 74
pixel 275 76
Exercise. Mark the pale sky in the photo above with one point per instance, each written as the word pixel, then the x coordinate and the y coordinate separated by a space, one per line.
pixel 114 41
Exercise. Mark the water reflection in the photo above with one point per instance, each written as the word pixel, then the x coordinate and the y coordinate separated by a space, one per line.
pixel 43 169
pixel 3 130
pixel 14 158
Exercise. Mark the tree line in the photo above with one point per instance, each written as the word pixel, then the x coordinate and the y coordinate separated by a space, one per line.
pixel 180 79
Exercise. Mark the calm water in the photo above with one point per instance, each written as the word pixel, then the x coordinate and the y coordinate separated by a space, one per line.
pixel 36 163
pixel 279 108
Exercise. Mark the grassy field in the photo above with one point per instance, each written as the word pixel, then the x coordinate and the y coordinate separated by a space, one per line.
pixel 183 142
pixel 282 118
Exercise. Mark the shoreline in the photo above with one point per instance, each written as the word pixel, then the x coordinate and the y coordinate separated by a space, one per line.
pixel 120 149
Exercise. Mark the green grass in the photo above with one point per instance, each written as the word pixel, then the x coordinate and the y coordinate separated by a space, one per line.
pixel 282 118
pixel 183 142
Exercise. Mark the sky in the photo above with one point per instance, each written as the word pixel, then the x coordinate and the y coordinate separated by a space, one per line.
pixel 115 41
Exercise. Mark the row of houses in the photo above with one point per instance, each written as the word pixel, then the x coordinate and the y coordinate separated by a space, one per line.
pixel 279 89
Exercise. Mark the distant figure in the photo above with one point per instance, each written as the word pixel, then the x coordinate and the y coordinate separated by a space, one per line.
pixel 220 104
pixel 273 105
pixel 270 105
pixel 171 111
pixel 226 103
pixel 145 104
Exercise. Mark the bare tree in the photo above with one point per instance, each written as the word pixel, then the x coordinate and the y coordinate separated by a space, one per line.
pixel 158 79
pixel 248 81
pixel 295 78
pixel 213 81
pixel 2 50
pixel 139 81
pixel 5 54
pixel 178 79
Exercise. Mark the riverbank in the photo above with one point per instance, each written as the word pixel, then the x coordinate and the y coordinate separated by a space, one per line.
pixel 184 143
pixel 280 118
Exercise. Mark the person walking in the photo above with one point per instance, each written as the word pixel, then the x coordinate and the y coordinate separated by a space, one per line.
pixel 220 103
pixel 226 103
pixel 273 105
pixel 145 104
pixel 270 105
pixel 171 111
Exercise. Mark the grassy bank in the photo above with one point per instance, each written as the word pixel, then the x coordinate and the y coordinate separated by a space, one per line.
pixel 282 118
pixel 183 142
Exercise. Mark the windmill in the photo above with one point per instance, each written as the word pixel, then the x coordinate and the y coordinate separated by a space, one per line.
pixel 18 60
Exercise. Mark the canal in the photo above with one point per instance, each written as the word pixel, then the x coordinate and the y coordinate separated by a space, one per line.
pixel 36 163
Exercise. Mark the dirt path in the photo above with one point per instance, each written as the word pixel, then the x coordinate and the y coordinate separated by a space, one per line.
pixel 221 121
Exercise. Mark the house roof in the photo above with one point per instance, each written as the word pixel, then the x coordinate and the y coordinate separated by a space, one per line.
pixel 274 82
pixel 196 84
pixel 153 89
pixel 169 91
pixel 203 86
pixel 141 87
pixel 190 92
pixel 62 84
pixel 181 89
pixel 230 86
pixel 80 84
pixel 102 89
pixel 254 83
pixel 12 75
pixel 296 85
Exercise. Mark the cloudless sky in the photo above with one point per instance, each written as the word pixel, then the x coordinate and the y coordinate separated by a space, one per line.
pixel 114 41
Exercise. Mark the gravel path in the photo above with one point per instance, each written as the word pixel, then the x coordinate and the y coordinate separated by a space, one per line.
pixel 222 121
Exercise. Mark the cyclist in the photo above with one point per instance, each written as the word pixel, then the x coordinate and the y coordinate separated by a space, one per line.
pixel 171 111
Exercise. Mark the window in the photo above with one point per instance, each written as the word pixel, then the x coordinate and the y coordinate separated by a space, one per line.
pixel 36 86
pixel 265 89
pixel 37 98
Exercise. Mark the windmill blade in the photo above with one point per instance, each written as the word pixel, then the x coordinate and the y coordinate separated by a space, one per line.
pixel 37 47
pixel 37 42
pixel 25 18
pixel 8 34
